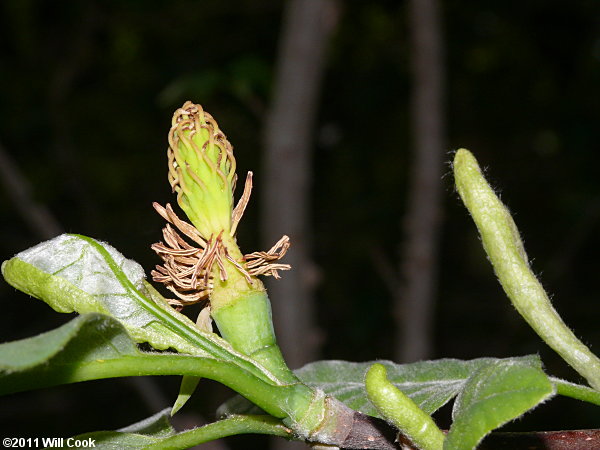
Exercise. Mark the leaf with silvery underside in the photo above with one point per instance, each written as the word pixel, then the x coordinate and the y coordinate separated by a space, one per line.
pixel 494 395
pixel 430 384
pixel 74 273
pixel 95 346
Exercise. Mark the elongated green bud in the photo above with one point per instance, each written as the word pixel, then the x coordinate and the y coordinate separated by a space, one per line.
pixel 400 410
pixel 503 245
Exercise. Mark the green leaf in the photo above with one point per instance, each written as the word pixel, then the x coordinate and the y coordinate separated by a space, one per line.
pixel 430 384
pixel 78 273
pixel 54 357
pixel 493 395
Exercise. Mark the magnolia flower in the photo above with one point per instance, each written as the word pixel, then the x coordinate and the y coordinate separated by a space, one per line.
pixel 202 174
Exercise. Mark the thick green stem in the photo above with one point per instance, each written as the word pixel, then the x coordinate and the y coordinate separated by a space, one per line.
pixel 505 250
pixel 250 328
pixel 279 401
pixel 399 409
pixel 244 320
pixel 246 324
pixel 242 312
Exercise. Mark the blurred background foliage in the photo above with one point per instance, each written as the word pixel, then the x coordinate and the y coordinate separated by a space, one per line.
pixel 87 90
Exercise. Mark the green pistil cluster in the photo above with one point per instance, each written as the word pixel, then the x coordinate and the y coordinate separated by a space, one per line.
pixel 202 170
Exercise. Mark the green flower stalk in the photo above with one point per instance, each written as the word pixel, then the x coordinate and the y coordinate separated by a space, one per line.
pixel 209 265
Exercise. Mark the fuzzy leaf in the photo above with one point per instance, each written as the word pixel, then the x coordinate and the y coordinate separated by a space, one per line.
pixel 430 384
pixel 493 395
pixel 76 273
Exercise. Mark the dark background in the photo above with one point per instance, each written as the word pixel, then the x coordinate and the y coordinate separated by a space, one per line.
pixel 87 90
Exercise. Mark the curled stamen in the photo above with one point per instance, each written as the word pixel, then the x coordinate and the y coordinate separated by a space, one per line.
pixel 239 209
pixel 261 263
pixel 186 269
pixel 189 230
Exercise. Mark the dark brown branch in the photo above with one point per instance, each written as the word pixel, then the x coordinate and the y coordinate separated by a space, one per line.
pixel 370 433
pixel 544 440
pixel 414 303
pixel 37 216
pixel 307 27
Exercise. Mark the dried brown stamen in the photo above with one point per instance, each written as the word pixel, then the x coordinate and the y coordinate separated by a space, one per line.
pixel 187 269
pixel 260 263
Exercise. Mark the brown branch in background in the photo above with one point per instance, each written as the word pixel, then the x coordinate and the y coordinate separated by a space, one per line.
pixel 288 140
pixel 36 215
pixel 415 301
pixel 385 268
